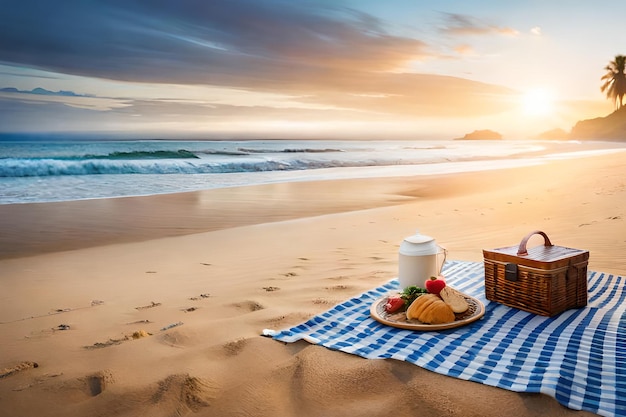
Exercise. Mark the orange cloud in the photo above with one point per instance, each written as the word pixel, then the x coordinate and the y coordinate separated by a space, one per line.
pixel 464 49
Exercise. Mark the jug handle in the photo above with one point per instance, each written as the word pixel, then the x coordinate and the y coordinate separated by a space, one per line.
pixel 445 255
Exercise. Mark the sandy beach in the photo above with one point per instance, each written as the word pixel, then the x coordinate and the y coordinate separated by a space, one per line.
pixel 154 306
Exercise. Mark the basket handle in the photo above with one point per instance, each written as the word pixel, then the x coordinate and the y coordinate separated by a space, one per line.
pixel 522 246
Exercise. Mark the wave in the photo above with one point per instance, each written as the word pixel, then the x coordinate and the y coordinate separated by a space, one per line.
pixel 288 150
pixel 252 151
pixel 15 167
pixel 181 153
pixel 133 163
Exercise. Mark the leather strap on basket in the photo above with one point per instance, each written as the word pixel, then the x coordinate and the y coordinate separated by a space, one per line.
pixel 522 246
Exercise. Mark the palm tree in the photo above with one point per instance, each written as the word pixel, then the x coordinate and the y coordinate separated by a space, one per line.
pixel 615 81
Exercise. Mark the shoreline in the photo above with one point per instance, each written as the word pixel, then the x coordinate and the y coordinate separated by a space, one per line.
pixel 432 159
pixel 227 264
pixel 30 229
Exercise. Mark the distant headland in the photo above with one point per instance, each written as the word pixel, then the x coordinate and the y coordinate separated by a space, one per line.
pixel 481 135
pixel 611 127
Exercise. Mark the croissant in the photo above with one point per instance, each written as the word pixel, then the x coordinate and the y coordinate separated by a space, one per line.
pixel 438 312
pixel 430 309
pixel 418 305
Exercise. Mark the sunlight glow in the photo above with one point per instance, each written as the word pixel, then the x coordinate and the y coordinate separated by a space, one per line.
pixel 538 102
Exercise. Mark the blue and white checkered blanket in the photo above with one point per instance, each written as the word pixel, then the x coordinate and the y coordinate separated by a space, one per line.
pixel 577 357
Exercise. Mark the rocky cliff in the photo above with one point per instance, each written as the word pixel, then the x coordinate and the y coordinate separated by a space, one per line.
pixel 611 127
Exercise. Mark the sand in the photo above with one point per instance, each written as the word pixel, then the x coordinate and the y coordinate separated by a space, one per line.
pixel 154 306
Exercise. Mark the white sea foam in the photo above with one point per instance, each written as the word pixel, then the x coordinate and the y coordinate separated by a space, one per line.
pixel 38 172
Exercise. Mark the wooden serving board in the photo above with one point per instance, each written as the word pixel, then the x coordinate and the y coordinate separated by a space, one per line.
pixel 377 311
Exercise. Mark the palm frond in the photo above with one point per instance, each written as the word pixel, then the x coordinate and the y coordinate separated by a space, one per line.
pixel 614 84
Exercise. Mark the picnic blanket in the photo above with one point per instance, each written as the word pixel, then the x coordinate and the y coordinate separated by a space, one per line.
pixel 578 357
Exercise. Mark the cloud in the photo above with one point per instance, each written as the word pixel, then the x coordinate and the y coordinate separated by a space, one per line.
pixel 40 96
pixel 240 43
pixel 51 115
pixel 536 31
pixel 463 25
pixel 400 97
pixel 464 49
pixel 327 58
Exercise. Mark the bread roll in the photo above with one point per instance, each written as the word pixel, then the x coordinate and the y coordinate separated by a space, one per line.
pixel 437 312
pixel 454 299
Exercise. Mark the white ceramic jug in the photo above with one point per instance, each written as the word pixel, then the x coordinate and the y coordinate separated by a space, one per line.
pixel 420 258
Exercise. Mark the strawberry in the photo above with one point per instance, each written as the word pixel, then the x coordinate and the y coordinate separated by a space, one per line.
pixel 435 284
pixel 394 303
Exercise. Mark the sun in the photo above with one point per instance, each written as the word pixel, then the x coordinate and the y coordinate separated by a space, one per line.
pixel 538 102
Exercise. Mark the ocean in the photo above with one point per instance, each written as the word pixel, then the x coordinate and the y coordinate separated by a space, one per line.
pixel 45 171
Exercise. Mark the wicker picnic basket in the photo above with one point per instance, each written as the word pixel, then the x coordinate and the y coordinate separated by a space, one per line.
pixel 544 280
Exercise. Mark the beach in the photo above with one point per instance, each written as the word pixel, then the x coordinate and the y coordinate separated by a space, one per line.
pixel 155 305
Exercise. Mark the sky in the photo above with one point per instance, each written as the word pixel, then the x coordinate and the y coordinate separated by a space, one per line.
pixel 304 69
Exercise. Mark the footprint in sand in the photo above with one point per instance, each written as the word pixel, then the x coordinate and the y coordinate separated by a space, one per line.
pixel 151 305
pixel 323 301
pixel 140 322
pixel 112 342
pixel 98 382
pixel 22 366
pixel 249 305
pixel 339 287
pixel 235 347
pixel 169 326
pixel 200 297
pixel 177 339
pixel 48 332
pixel 186 392
pixel 287 275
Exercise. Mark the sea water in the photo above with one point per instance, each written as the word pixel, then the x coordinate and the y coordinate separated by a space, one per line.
pixel 44 171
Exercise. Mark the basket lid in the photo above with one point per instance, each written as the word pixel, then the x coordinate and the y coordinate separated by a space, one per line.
pixel 546 255
pixel 542 253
